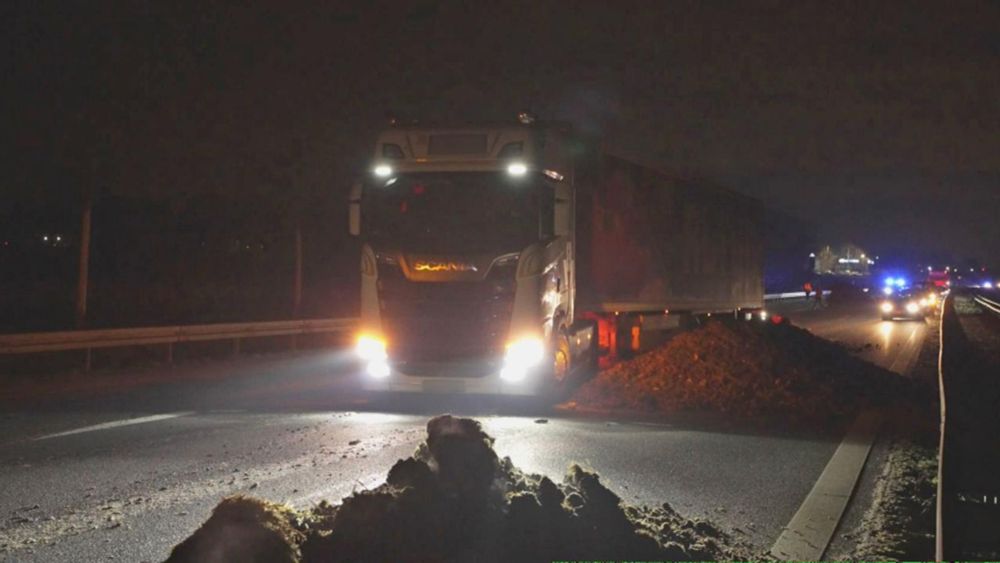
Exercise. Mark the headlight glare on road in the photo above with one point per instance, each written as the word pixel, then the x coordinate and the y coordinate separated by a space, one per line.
pixel 378 368
pixel 370 348
pixel 521 356
pixel 912 307
pixel 886 307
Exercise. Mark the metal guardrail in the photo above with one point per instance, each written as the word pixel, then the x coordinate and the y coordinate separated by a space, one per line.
pixel 987 303
pixel 34 342
pixel 962 532
pixel 947 317
pixel 790 295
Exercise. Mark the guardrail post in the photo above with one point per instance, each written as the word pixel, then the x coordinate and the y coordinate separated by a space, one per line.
pixel 170 352
pixel 86 360
pixel 236 346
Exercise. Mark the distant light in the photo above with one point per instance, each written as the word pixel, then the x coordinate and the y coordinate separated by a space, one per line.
pixel 763 315
pixel 887 290
pixel 988 285
pixel 517 169
pixel 812 254
pixel 900 282
pixel 45 238
pixel 383 170
pixel 886 307
pixel 526 117
pixel 58 238
pixel 912 307
pixel 928 268
pixel 890 281
pixel 554 175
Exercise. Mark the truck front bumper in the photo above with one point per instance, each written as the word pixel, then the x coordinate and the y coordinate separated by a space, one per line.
pixel 480 377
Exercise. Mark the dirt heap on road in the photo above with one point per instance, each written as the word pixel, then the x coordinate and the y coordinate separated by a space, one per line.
pixel 744 369
pixel 455 500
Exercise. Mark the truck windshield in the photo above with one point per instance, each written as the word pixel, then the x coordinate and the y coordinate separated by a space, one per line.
pixel 456 212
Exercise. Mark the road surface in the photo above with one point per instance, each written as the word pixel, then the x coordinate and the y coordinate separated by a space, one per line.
pixel 108 471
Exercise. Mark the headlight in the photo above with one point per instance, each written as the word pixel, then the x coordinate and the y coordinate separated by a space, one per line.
pixel 886 307
pixel 383 170
pixel 517 169
pixel 887 290
pixel 924 302
pixel 932 298
pixel 371 350
pixel 522 355
pixel 912 307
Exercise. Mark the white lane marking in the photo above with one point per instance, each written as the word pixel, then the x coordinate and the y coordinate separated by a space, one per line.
pixel 808 534
pixel 116 424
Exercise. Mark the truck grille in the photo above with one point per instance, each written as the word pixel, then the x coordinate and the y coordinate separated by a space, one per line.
pixel 444 321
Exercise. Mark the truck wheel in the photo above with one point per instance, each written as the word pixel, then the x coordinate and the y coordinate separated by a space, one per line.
pixel 561 358
pixel 561 367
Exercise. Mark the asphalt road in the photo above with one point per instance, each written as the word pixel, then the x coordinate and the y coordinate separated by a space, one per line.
pixel 123 465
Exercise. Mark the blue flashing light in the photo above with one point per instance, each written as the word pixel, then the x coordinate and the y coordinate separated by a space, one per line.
pixel 900 282
pixel 890 281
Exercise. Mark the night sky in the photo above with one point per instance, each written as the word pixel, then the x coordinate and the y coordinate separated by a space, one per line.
pixel 876 121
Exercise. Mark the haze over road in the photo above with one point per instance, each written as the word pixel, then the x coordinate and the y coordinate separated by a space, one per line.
pixel 127 474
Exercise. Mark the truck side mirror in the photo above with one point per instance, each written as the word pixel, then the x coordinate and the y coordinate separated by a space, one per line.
pixel 563 220
pixel 354 210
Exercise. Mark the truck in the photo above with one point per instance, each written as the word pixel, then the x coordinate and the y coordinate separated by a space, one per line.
pixel 512 258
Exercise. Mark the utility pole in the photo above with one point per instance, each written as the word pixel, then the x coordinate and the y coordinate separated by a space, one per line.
pixel 297 287
pixel 84 269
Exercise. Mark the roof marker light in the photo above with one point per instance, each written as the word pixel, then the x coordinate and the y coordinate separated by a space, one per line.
pixel 517 169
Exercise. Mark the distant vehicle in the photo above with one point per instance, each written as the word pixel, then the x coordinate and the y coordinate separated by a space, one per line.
pixel 905 304
pixel 930 295
pixel 503 258
pixel 939 278
pixel 895 284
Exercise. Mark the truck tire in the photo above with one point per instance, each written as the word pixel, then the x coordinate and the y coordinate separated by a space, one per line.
pixel 559 374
